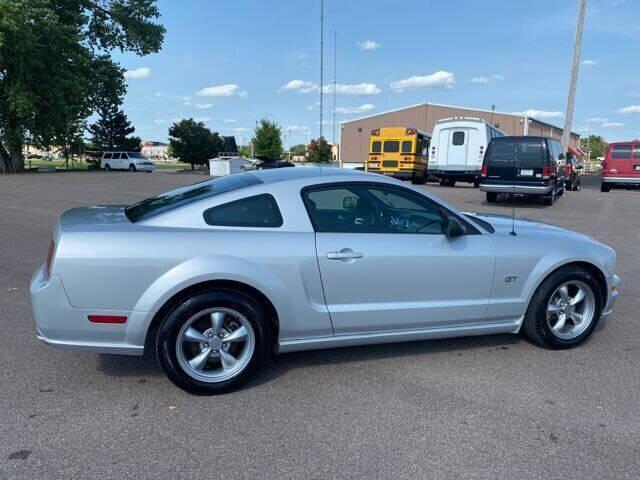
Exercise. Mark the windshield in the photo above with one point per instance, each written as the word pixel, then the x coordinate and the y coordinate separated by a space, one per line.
pixel 166 202
pixel 136 155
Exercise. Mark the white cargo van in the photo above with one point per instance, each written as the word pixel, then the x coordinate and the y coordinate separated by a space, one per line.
pixel 457 149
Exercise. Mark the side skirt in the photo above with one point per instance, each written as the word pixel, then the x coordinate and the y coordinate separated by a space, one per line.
pixel 511 326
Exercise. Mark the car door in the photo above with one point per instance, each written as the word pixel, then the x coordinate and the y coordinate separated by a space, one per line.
pixel 386 264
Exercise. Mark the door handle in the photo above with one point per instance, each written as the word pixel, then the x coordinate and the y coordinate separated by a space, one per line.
pixel 344 254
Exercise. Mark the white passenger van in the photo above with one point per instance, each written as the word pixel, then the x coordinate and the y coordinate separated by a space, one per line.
pixel 132 161
pixel 457 149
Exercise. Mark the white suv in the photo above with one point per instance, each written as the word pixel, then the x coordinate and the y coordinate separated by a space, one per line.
pixel 132 161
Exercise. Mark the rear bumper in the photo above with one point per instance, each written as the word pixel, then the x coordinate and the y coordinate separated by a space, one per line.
pixel 519 189
pixel 612 288
pixel 400 175
pixel 625 180
pixel 454 173
pixel 63 326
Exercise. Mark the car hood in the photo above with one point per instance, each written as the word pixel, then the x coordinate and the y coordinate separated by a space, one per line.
pixel 95 215
pixel 503 225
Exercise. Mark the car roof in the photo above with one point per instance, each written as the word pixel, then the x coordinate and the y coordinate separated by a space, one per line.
pixel 521 137
pixel 296 173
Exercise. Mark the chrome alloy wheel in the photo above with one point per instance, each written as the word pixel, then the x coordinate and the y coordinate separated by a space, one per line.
pixel 571 309
pixel 215 345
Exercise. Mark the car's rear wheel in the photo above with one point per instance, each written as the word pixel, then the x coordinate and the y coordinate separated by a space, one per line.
pixel 604 187
pixel 213 342
pixel 565 309
pixel 492 197
pixel 417 179
pixel 132 168
pixel 107 167
pixel 577 187
pixel 551 198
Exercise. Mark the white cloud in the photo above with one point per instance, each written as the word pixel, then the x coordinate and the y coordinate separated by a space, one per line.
pixel 142 72
pixel 439 79
pixel 613 124
pixel 597 120
pixel 203 106
pixel 179 98
pixel 300 129
pixel 540 114
pixel 160 121
pixel 368 45
pixel 202 119
pixel 228 90
pixel 360 89
pixel 489 79
pixel 629 109
pixel 300 86
pixel 588 63
pixel 367 107
pixel 229 120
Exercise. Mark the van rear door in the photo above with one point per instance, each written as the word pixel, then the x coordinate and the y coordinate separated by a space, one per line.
pixel 532 156
pixel 458 148
pixel 500 160
pixel 622 161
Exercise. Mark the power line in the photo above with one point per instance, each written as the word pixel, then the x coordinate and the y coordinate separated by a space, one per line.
pixel 321 60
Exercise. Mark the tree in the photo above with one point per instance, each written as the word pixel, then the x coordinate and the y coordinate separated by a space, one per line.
pixel 193 143
pixel 267 140
pixel 320 151
pixel 299 150
pixel 55 68
pixel 244 151
pixel 110 132
pixel 596 144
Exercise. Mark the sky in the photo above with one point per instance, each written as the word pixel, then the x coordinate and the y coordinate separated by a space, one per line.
pixel 229 63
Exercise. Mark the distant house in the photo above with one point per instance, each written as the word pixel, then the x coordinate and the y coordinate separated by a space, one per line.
pixel 157 150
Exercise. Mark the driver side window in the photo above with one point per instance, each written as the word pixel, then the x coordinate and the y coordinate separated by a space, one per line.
pixel 371 209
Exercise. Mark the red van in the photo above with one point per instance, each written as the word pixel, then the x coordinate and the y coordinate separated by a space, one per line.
pixel 621 166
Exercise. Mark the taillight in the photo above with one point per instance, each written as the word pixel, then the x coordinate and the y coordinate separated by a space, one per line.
pixel 406 159
pixel 546 173
pixel 49 261
pixel 484 171
pixel 410 131
pixel 481 150
pixel 569 169
pixel 375 132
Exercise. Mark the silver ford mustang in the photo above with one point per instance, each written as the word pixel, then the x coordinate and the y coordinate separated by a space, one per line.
pixel 218 274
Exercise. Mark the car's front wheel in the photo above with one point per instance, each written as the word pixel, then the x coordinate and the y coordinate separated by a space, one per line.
pixel 213 342
pixel 565 309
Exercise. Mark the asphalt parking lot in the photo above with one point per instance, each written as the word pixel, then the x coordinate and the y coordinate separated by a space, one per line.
pixel 480 407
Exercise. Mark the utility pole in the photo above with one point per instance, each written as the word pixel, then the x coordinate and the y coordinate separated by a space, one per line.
pixel 335 50
pixel 566 134
pixel 321 60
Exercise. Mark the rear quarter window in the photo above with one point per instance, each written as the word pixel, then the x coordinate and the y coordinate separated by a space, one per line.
pixel 258 211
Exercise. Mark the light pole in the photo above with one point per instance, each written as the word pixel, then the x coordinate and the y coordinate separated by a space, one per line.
pixel 566 134
pixel 321 60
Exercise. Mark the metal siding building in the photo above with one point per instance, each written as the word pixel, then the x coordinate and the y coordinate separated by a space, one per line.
pixel 355 134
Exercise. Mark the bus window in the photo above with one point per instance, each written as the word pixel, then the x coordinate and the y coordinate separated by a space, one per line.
pixel 458 138
pixel 376 147
pixel 392 146
pixel 407 146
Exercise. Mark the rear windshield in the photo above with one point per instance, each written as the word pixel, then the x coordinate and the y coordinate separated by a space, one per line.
pixel 392 146
pixel 166 202
pixel 621 151
pixel 521 152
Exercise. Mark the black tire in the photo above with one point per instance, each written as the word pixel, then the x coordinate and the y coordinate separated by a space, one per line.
pixel 604 187
pixel 550 199
pixel 476 182
pixel 577 187
pixel 492 197
pixel 419 179
pixel 535 326
pixel 132 168
pixel 169 329
pixel 107 167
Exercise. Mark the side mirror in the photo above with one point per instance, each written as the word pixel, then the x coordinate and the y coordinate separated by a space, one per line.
pixel 454 227
pixel 350 203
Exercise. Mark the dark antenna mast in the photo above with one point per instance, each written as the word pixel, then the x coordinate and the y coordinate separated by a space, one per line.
pixel 335 61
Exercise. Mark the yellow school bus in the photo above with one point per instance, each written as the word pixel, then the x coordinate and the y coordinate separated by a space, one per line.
pixel 399 152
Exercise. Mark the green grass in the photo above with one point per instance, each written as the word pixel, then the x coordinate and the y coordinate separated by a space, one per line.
pixel 60 165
